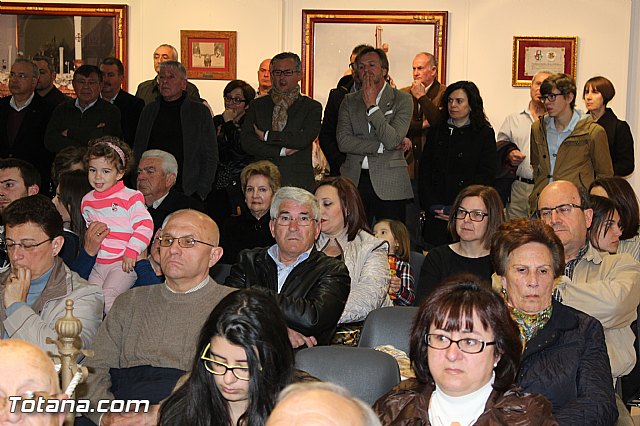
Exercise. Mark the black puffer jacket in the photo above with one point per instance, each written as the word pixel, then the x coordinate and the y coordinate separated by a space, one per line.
pixel 312 297
pixel 567 362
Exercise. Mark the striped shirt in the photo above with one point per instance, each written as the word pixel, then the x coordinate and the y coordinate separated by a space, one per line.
pixel 124 212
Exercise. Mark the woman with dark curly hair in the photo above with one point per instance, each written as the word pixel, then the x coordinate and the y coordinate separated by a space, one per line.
pixel 243 360
pixel 459 152
pixel 465 352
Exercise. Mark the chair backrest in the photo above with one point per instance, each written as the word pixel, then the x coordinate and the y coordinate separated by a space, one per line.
pixel 220 272
pixel 366 373
pixel 388 326
pixel 416 261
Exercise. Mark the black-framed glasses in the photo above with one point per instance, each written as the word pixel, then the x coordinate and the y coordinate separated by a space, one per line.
pixel 10 245
pixel 474 215
pixel 184 242
pixel 562 209
pixel 551 97
pixel 285 220
pixel 468 345
pixel 219 368
pixel 287 73
pixel 235 101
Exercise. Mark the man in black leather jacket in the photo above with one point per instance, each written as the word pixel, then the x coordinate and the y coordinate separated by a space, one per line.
pixel 310 287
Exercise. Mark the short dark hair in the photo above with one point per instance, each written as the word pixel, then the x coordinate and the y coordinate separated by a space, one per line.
pixel 36 209
pixel 451 307
pixel 602 85
pixel 384 61
pixel 603 209
pixel 624 197
pixel 563 82
pixel 103 147
pixel 112 60
pixel 476 116
pixel 287 55
pixel 518 232
pixel 248 92
pixel 359 48
pixel 353 212
pixel 492 202
pixel 30 175
pixel 65 159
pixel 87 70
pixel 45 59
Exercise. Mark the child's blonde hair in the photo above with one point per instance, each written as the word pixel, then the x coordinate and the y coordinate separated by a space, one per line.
pixel 401 235
pixel 113 149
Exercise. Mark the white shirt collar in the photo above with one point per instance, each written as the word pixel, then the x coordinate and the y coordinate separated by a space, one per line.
pixel 13 104
pixel 87 107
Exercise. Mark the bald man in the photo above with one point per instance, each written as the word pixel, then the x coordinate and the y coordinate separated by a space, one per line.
pixel 149 337
pixel 320 404
pixel 25 369
pixel 264 77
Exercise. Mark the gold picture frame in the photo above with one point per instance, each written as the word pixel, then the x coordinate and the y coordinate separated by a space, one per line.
pixel 545 53
pixel 209 55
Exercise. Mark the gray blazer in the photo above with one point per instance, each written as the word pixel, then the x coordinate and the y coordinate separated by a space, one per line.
pixel 389 125
pixel 303 126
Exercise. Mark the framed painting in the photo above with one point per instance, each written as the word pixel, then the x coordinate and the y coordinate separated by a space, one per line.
pixel 329 36
pixel 533 54
pixel 69 35
pixel 209 55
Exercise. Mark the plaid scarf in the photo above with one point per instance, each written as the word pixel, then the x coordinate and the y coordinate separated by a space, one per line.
pixel 282 103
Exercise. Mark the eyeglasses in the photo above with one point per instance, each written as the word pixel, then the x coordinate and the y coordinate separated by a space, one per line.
pixel 551 97
pixel 285 220
pixel 562 209
pixel 218 368
pixel 10 245
pixel 184 242
pixel 24 403
pixel 474 215
pixel 80 82
pixel 235 101
pixel 20 75
pixel 287 73
pixel 469 346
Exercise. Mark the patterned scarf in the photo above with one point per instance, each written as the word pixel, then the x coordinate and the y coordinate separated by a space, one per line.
pixel 528 324
pixel 282 103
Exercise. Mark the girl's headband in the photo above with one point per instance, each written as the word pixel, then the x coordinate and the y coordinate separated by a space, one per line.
pixel 119 151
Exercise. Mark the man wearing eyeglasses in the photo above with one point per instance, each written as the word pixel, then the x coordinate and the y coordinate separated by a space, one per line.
pixel 37 285
pixel 565 146
pixel 148 339
pixel 27 372
pixel 310 287
pixel 75 123
pixel 281 127
pixel 603 285
pixel 23 120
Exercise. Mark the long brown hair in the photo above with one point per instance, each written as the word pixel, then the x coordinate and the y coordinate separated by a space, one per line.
pixel 353 213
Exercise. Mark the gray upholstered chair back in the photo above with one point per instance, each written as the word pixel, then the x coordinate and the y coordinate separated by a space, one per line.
pixel 388 326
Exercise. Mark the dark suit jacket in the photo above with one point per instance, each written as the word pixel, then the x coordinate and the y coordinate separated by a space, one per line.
pixel 149 92
pixel 389 125
pixel 130 108
pixel 312 297
pixel 175 201
pixel 303 125
pixel 427 107
pixel 55 97
pixel 327 136
pixel 29 142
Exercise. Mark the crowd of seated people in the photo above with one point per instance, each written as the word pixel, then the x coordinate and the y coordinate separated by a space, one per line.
pixel 123 203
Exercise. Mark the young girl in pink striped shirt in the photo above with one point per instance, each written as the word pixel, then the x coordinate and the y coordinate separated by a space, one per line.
pixel 129 224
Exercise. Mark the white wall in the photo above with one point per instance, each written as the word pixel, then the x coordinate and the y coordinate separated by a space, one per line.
pixel 479 40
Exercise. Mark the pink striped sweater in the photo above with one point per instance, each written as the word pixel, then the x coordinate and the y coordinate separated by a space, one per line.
pixel 125 214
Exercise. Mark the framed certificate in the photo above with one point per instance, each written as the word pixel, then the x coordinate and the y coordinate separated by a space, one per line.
pixel 534 54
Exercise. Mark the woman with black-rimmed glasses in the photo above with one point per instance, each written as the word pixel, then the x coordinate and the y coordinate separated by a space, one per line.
pixel 242 361
pixel 475 215
pixel 465 352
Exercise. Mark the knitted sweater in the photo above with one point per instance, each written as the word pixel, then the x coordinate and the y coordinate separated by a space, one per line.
pixel 123 211
pixel 149 326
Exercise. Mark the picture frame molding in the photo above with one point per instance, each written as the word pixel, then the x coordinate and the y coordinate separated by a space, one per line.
pixel 228 38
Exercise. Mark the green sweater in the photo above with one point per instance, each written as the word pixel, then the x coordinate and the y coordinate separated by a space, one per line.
pixel 149 326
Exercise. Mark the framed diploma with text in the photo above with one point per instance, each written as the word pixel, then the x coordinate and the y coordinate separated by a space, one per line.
pixel 534 54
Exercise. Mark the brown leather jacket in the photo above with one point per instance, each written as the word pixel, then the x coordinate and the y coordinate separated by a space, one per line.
pixel 408 404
